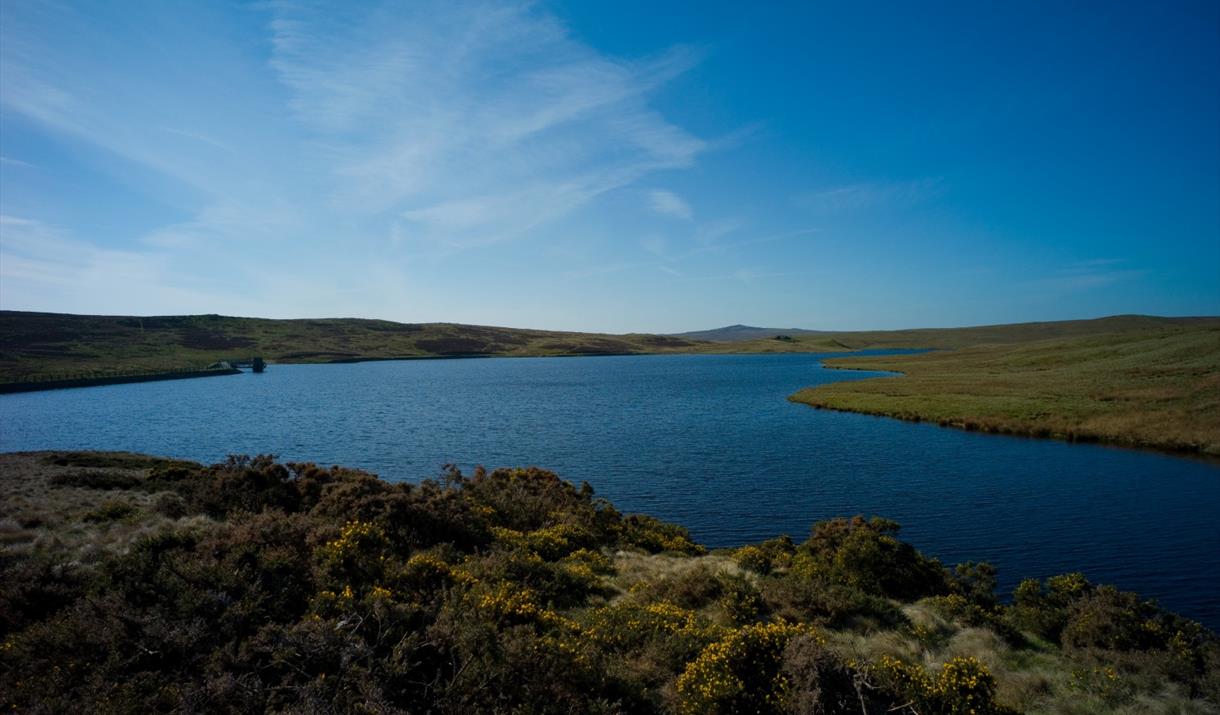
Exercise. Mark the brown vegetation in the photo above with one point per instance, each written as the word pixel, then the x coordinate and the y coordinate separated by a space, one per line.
pixel 140 584
pixel 37 345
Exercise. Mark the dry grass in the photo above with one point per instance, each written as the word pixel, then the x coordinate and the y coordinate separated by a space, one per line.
pixel 635 568
pixel 1036 678
pixel 1148 389
pixel 49 506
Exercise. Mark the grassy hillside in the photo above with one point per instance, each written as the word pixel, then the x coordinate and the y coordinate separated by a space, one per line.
pixel 736 333
pixel 40 344
pixel 950 338
pixel 136 584
pixel 1157 387
pixel 34 345
pixel 1134 380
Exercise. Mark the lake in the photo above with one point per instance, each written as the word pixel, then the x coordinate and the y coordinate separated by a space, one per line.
pixel 707 441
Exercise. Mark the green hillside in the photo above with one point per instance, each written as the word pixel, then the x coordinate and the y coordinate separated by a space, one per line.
pixel 37 345
pixel 41 344
pixel 737 333
pixel 948 338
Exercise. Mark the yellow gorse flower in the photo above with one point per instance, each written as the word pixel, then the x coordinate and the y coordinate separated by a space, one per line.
pixel 719 675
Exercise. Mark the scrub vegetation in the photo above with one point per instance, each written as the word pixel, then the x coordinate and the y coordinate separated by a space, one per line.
pixel 1149 388
pixel 130 583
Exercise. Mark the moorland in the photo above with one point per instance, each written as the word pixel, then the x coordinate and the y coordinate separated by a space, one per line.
pixel 40 344
pixel 1138 381
pixel 34 345
pixel 133 583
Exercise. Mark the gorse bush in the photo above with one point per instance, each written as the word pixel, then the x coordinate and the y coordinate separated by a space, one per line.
pixel 962 687
pixel 739 673
pixel 766 557
pixel 293 587
pixel 849 571
pixel 1119 634
pixel 867 555
pixel 976 583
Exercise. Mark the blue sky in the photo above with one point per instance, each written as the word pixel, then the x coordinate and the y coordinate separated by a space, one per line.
pixel 625 166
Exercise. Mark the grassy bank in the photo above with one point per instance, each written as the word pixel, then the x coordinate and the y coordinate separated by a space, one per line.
pixel 131 583
pixel 1150 388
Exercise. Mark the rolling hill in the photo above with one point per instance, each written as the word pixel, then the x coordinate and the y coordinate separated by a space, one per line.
pixel 735 333
pixel 38 345
pixel 951 338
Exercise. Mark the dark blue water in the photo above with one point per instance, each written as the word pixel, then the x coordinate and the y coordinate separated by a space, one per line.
pixel 707 441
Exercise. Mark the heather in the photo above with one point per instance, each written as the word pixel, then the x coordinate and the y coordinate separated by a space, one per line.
pixel 142 584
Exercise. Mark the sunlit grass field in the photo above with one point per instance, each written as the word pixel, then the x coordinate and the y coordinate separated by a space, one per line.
pixel 1151 388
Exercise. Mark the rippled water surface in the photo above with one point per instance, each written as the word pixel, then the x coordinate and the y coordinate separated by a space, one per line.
pixel 708 441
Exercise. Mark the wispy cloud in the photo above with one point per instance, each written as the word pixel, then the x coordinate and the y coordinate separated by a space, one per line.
pixel 1084 276
pixel 267 219
pixel 1095 263
pixel 667 203
pixel 663 259
pixel 9 161
pixel 199 137
pixel 38 87
pixel 38 259
pixel 773 238
pixel 446 124
pixel 476 122
pixel 709 233
pixel 871 195
pixel 748 275
pixel 47 267
pixel 656 245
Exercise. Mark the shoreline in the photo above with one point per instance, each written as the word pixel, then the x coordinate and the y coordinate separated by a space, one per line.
pixel 39 386
pixel 808 396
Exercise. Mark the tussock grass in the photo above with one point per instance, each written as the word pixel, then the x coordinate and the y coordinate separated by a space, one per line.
pixel 634 569
pixel 1036 677
pixel 84 505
